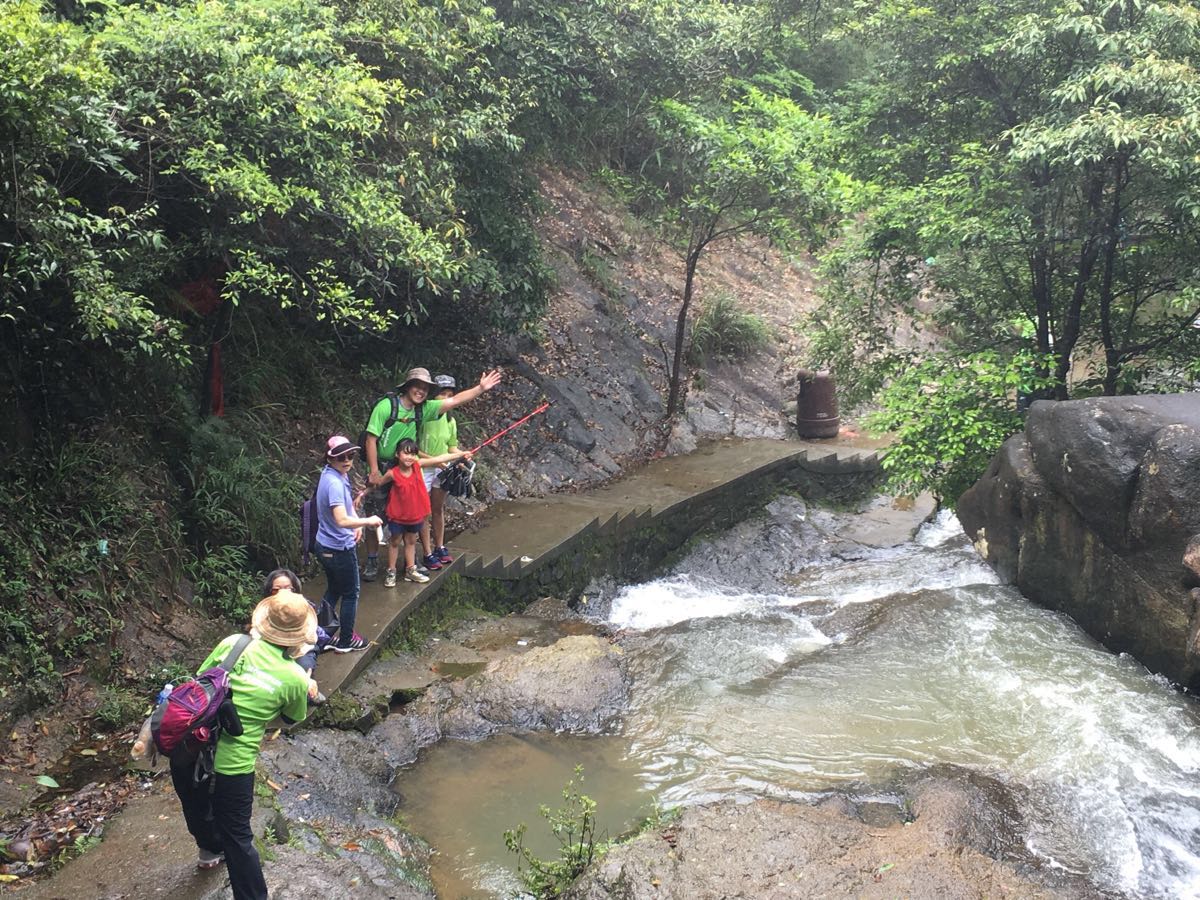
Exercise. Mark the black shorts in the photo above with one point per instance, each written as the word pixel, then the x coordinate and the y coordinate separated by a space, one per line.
pixel 395 528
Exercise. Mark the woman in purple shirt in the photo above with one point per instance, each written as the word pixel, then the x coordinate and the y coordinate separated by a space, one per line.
pixel 339 530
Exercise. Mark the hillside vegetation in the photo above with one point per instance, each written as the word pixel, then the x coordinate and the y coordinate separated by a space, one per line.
pixel 310 197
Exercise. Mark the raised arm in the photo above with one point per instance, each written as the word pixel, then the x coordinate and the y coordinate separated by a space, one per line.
pixel 487 381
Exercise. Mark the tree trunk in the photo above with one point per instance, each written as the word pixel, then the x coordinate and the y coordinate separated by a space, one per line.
pixel 674 399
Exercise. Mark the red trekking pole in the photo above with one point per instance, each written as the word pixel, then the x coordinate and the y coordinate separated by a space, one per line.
pixel 519 422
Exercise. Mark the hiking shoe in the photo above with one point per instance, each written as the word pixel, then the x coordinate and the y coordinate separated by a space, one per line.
pixel 209 860
pixel 356 643
pixel 415 575
pixel 371 569
pixel 443 553
pixel 389 580
pixel 432 562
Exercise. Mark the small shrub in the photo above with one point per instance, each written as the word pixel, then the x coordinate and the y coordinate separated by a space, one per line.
pixel 724 330
pixel 225 583
pixel 119 706
pixel 574 826
pixel 598 269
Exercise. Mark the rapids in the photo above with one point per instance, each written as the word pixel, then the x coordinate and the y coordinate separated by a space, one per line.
pixel 761 673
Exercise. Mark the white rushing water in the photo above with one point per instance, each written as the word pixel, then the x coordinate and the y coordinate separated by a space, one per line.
pixel 911 657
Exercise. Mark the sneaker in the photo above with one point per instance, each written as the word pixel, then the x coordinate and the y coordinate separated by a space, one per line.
pixel 415 575
pixel 371 569
pixel 389 580
pixel 432 562
pixel 209 860
pixel 356 643
pixel 443 553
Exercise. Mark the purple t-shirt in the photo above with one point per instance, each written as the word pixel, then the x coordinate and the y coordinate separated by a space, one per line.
pixel 334 490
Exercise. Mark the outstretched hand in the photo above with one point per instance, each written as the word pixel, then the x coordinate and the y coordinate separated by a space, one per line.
pixel 489 379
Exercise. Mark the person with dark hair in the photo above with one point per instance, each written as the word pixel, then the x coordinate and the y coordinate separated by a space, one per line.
pixel 408 508
pixel 266 684
pixel 339 529
pixel 287 580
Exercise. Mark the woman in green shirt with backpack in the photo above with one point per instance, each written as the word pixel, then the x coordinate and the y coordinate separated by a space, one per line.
pixel 266 684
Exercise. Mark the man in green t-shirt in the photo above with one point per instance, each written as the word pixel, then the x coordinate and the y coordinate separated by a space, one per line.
pixel 266 683
pixel 380 444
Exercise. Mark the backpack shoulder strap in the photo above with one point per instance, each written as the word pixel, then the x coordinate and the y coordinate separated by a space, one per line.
pixel 235 652
pixel 418 410
pixel 395 413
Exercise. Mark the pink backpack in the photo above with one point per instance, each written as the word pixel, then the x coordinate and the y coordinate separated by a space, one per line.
pixel 186 722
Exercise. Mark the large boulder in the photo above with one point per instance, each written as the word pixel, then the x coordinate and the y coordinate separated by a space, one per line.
pixel 964 840
pixel 577 684
pixel 1094 511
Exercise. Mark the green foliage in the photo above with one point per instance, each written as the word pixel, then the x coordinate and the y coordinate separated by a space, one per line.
pixel 119 706
pixel 62 257
pixel 753 167
pixel 237 496
pixel 73 547
pixel 949 415
pixel 225 583
pixel 574 827
pixel 724 330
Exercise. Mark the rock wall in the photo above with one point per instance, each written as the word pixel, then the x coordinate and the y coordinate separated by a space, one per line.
pixel 1095 511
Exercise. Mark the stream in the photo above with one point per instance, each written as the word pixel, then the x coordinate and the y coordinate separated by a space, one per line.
pixel 783 660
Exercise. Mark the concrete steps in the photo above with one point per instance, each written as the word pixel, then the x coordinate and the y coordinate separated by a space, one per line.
pixel 517 538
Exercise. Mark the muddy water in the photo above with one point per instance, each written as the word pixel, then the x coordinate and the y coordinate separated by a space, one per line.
pixel 848 672
pixel 462 797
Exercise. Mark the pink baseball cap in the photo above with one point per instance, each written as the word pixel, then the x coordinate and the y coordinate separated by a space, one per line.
pixel 339 444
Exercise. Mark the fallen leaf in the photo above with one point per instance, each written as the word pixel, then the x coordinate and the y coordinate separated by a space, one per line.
pixel 273 786
pixel 352 845
pixel 46 781
pixel 87 752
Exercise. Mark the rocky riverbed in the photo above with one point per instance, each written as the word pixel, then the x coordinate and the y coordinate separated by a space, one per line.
pixel 687 679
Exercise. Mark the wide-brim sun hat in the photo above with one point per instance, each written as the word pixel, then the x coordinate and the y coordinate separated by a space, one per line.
pixel 339 444
pixel 418 375
pixel 285 619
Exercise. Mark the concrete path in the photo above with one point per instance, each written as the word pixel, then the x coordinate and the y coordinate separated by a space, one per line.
pixel 517 537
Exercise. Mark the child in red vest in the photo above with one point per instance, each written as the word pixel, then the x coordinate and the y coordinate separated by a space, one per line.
pixel 408 506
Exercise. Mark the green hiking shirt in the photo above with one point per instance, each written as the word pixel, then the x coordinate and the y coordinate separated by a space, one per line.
pixel 405 426
pixel 266 684
pixel 439 435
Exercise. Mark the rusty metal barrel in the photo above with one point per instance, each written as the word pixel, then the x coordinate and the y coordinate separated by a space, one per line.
pixel 816 405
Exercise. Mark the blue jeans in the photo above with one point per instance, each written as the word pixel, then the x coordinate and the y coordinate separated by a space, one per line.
pixel 341 580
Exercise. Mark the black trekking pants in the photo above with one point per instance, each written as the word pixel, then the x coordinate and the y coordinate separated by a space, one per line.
pixel 220 823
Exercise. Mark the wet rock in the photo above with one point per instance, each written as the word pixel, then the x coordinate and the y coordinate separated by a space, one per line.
pixel 773 849
pixel 1090 512
pixel 387 677
pixel 328 774
pixel 1191 562
pixel 401 737
pixel 577 684
pixel 296 874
